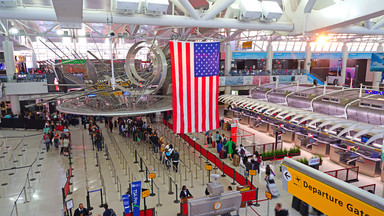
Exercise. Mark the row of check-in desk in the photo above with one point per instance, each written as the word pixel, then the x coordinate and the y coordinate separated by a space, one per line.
pixel 313 141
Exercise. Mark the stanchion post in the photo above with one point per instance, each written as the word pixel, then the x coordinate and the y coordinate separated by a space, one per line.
pixel 177 198
pixel 25 195
pixel 88 202
pixel 152 193
pixel 234 178
pixel 257 198
pixel 170 192
pixel 223 175
pixel 146 175
pixel 158 198
pixel 101 198
pixel 141 165
pixel 135 157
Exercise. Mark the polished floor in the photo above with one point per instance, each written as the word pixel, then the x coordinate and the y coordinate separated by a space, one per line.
pixel 48 172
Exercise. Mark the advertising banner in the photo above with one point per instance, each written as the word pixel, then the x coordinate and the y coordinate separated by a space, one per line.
pixel 377 62
pixel 234 126
pixel 261 80
pixel 248 80
pixel 285 79
pixel 327 55
pixel 127 207
pixel 249 55
pixel 136 196
pixel 233 80
pixel 359 55
pixel 221 81
pixel 288 55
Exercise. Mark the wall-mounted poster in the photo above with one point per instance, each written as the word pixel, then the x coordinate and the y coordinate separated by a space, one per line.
pixel 377 62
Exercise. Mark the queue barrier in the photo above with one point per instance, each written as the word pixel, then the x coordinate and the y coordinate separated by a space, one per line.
pixel 350 174
pixel 227 170
pixel 148 212
pixel 370 188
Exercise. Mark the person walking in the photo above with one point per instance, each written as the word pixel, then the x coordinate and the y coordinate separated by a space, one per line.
pixel 229 146
pixel 279 211
pixel 56 138
pixel 108 211
pixel 47 140
pixel 81 211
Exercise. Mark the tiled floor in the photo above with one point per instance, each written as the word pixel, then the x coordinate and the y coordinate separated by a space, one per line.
pixel 45 192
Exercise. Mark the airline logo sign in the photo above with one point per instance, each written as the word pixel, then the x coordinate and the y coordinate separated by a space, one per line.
pixel 325 198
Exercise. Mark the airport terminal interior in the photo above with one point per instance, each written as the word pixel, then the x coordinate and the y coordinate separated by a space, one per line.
pixel 192 107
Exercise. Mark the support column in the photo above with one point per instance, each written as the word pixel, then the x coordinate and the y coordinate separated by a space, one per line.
pixel 34 60
pixel 227 90
pixel 269 57
pixel 15 104
pixel 344 63
pixel 228 59
pixel 308 58
pixel 9 58
pixel 377 75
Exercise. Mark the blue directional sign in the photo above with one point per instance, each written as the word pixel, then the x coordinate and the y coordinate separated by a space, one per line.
pixel 136 196
pixel 127 207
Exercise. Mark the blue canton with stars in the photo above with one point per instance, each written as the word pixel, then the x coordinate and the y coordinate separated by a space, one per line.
pixel 207 59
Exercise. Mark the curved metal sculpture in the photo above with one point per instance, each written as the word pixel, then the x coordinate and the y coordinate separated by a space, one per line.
pixel 159 66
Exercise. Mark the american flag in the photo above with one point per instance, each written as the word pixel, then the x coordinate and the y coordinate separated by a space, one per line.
pixel 195 86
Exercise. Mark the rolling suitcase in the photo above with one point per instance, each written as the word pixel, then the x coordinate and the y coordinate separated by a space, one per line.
pixel 236 160
pixel 271 187
pixel 219 147
pixel 222 154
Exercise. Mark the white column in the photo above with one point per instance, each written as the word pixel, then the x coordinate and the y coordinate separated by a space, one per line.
pixel 344 64
pixel 34 60
pixel 308 58
pixel 377 75
pixel 15 104
pixel 9 58
pixel 228 58
pixel 227 90
pixel 269 57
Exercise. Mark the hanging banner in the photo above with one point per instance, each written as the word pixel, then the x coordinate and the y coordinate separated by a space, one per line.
pixel 136 195
pixel 234 126
pixel 127 207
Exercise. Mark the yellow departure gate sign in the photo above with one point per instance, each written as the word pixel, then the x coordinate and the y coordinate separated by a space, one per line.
pixel 325 198
pixel 247 45
pixel 145 193
pixel 268 195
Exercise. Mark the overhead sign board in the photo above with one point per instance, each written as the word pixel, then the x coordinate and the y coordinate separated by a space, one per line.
pixel 332 197
pixel 247 45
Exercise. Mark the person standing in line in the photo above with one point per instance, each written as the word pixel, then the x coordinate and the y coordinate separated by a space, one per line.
pixel 98 141
pixel 56 138
pixel 229 147
pixel 66 144
pixel 208 134
pixel 175 160
pixel 46 139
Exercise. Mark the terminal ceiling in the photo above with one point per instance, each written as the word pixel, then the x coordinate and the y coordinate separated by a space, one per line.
pixel 343 21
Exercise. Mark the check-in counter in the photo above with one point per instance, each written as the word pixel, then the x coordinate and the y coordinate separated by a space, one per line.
pixel 335 153
pixel 288 135
pixel 299 136
pixel 263 126
pixel 245 119
pixel 272 129
pixel 369 166
pixel 322 146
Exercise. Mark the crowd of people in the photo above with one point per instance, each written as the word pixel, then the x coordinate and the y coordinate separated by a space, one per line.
pixel 58 136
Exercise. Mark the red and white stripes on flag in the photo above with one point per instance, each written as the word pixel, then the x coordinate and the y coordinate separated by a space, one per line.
pixel 195 99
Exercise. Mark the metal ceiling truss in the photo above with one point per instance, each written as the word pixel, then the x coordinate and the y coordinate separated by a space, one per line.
pixel 317 121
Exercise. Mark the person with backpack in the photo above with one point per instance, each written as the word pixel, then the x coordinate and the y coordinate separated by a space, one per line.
pixel 108 211
pixel 218 137
pixel 175 160
pixel 229 147
pixel 98 141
